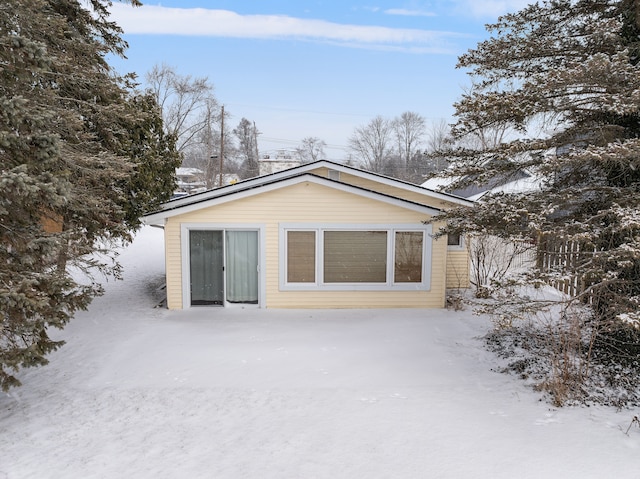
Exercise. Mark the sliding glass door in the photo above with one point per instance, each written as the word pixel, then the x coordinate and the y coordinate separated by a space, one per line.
pixel 207 267
pixel 223 267
pixel 242 266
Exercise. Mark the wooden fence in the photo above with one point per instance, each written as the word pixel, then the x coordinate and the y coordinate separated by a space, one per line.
pixel 559 259
pixel 563 258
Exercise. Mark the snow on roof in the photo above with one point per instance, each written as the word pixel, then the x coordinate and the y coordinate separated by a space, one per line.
pixel 521 182
pixel 438 183
pixel 188 171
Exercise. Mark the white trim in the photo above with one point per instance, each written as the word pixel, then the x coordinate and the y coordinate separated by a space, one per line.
pixel 186 264
pixel 457 247
pixel 389 181
pixel 310 167
pixel 159 216
pixel 388 285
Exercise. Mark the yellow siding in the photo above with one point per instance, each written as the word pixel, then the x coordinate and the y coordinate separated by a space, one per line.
pixel 457 260
pixel 418 197
pixel 457 269
pixel 173 262
pixel 314 204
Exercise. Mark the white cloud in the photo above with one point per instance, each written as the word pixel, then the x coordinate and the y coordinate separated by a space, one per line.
pixel 150 19
pixel 409 13
pixel 490 8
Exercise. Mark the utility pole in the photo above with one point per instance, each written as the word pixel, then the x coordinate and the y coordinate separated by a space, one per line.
pixel 255 139
pixel 221 144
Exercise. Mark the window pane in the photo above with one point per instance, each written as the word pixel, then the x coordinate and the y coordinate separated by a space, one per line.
pixel 454 240
pixel 355 257
pixel 408 260
pixel 301 256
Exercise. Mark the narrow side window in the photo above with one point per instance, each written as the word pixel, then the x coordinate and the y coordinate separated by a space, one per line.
pixel 301 256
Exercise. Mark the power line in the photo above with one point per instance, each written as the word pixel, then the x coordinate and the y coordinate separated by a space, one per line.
pixel 296 143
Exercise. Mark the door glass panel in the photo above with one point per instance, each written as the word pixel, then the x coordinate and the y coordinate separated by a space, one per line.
pixel 242 266
pixel 206 266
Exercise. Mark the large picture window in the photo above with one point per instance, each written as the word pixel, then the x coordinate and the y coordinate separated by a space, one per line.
pixel 337 258
pixel 355 256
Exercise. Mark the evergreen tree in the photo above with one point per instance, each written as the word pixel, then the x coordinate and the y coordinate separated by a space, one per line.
pixel 81 156
pixel 569 69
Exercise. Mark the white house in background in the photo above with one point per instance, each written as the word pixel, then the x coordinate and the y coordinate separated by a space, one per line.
pixel 281 160
pixel 189 180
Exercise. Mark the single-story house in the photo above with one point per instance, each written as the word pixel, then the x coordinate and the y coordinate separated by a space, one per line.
pixel 320 235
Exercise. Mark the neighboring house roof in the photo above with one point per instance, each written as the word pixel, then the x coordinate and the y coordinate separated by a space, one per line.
pixel 188 171
pixel 215 196
pixel 519 182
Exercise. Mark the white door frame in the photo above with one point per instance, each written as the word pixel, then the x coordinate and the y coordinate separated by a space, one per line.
pixel 185 228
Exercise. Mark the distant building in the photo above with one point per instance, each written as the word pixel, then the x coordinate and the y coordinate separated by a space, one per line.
pixel 189 180
pixel 281 160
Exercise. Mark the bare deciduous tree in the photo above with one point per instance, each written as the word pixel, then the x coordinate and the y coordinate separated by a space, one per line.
pixel 439 146
pixel 439 137
pixel 186 103
pixel 205 150
pixel 207 143
pixel 371 144
pixel 311 149
pixel 480 132
pixel 409 129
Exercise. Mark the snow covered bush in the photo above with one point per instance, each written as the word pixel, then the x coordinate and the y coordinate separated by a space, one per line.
pixel 494 259
pixel 556 346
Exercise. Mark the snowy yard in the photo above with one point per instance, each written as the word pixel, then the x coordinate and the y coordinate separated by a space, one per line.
pixel 142 392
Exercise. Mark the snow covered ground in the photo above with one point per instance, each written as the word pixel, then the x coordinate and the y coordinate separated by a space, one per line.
pixel 142 392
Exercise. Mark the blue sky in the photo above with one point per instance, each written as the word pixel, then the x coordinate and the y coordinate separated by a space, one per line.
pixel 313 68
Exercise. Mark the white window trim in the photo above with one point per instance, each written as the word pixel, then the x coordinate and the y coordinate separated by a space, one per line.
pixel 457 247
pixel 389 285
pixel 185 228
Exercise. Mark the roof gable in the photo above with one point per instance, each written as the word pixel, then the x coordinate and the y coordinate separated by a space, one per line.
pixel 317 165
pixel 386 180
pixel 248 189
pixel 304 173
